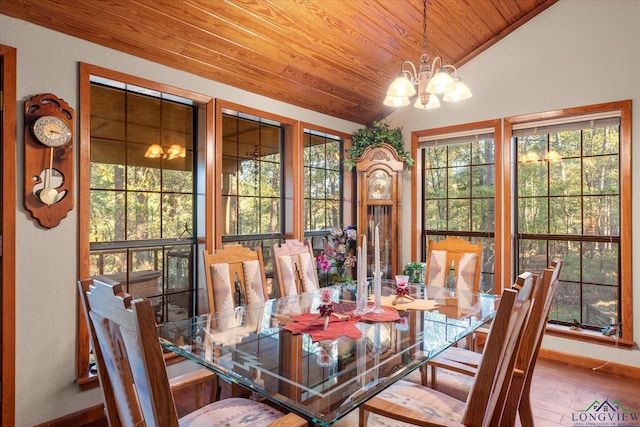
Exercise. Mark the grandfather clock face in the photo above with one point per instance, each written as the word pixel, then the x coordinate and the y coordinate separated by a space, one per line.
pixel 379 185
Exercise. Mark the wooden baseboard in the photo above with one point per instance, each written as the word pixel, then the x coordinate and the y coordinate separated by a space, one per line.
pixel 93 416
pixel 591 363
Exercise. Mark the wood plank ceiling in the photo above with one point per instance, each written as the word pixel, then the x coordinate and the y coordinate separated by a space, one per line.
pixel 332 56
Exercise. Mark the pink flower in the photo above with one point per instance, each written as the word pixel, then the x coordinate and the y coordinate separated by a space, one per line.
pixel 323 263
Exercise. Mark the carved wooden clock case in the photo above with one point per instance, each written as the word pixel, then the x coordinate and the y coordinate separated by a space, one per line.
pixel 48 158
pixel 379 182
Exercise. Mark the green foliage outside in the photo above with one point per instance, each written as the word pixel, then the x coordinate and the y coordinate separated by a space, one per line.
pixel 567 189
pixel 322 183
pixel 570 190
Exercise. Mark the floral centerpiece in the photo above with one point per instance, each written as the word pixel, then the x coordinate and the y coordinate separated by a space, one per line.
pixel 338 253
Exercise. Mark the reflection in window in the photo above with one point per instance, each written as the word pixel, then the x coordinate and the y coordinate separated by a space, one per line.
pixel 252 176
pixel 323 188
pixel 142 195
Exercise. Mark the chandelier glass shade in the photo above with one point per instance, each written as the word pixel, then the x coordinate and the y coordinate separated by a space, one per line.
pixel 430 82
pixel 156 151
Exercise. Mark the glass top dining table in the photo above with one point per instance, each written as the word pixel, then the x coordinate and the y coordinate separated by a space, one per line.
pixel 282 352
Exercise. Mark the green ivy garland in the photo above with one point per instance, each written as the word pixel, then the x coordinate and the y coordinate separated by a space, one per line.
pixel 375 135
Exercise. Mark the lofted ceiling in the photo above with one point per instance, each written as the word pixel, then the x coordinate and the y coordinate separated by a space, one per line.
pixel 336 57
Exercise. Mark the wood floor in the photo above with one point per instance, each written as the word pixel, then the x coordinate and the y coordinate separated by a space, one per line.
pixel 558 392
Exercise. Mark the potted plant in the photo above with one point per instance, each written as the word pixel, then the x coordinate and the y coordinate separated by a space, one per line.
pixel 375 135
pixel 416 272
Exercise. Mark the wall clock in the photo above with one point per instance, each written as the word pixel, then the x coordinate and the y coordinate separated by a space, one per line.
pixel 379 181
pixel 48 159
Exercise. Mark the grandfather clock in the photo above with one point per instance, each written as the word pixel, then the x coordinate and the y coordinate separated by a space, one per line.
pixel 379 182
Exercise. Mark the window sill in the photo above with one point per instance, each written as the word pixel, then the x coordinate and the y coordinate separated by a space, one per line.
pixel 91 382
pixel 88 383
pixel 588 336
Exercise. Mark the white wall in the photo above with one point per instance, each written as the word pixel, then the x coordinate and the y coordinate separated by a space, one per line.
pixel 575 42
pixel 575 53
pixel 46 260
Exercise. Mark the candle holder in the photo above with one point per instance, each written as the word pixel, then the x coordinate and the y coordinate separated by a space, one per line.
pixel 377 293
pixel 362 297
pixel 325 359
pixel 402 290
pixel 325 310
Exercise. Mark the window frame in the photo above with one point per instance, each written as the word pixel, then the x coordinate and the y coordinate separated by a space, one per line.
pixel 624 108
pixel 205 104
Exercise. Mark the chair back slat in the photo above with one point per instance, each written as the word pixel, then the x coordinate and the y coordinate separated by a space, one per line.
pixel 534 330
pixel 125 330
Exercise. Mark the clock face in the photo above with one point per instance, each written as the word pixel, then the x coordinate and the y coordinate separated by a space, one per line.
pixel 380 186
pixel 51 131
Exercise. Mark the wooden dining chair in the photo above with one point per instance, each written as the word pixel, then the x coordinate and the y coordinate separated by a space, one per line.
pixel 295 267
pixel 465 362
pixel 132 369
pixel 458 254
pixel 465 259
pixel 235 276
pixel 197 378
pixel 409 402
pixel 518 400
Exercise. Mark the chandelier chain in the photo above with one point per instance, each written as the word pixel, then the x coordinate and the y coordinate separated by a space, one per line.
pixel 424 26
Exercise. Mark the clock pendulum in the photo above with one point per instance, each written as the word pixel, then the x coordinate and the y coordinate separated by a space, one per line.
pixel 48 194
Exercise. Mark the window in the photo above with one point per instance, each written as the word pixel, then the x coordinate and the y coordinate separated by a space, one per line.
pixel 459 190
pixel 251 178
pixel 572 172
pixel 139 210
pixel 565 191
pixel 569 202
pixel 142 195
pixel 322 182
pixel 263 187
pixel 323 187
pixel 252 183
